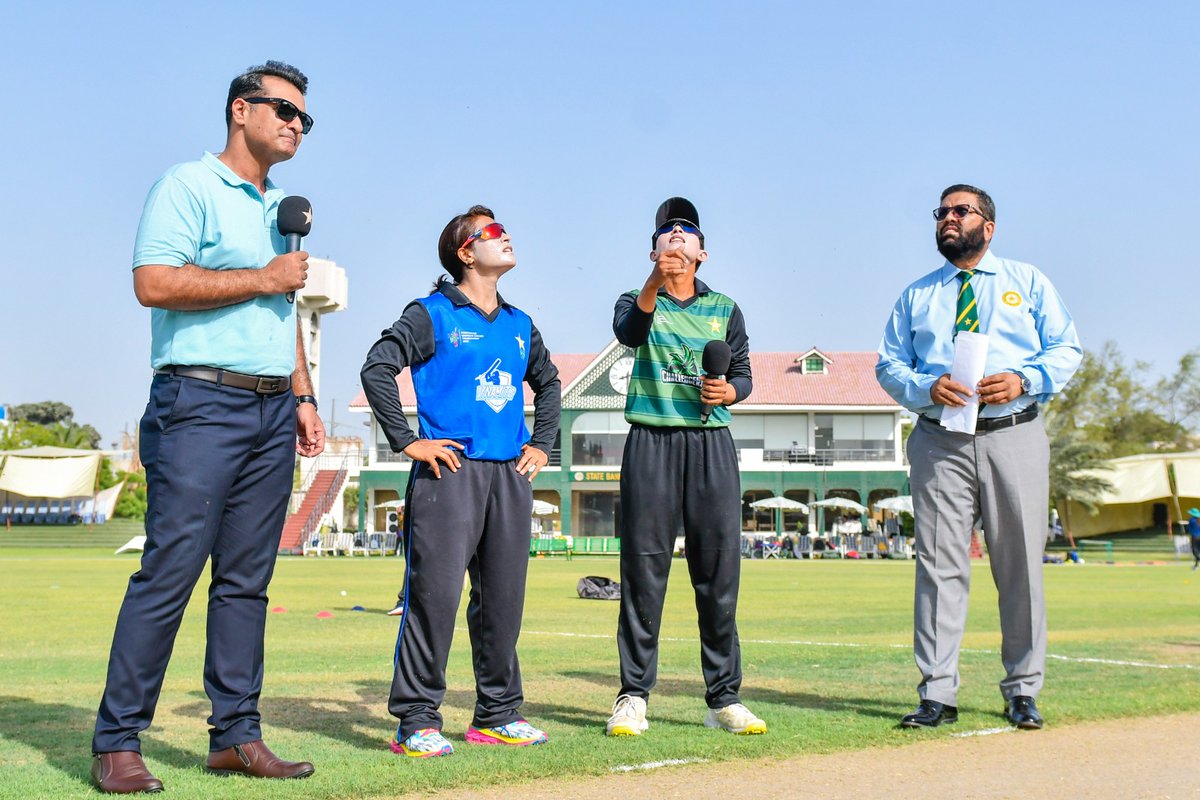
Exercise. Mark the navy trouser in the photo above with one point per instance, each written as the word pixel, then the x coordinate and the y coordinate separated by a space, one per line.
pixel 673 478
pixel 219 464
pixel 474 520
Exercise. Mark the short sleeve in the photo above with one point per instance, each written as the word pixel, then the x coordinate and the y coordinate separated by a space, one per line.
pixel 171 226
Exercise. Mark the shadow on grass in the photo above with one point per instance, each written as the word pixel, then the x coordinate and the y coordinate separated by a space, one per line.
pixel 63 734
pixel 364 722
pixel 333 717
pixel 752 694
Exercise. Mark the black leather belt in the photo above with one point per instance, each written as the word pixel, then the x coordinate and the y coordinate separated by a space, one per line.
pixel 223 377
pixel 997 423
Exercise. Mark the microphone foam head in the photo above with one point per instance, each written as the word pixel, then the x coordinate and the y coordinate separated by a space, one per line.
pixel 716 358
pixel 295 215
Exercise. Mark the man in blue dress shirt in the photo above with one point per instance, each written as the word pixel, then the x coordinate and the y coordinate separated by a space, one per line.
pixel 1001 473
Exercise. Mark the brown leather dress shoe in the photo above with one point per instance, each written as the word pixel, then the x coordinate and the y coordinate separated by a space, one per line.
pixel 256 760
pixel 123 773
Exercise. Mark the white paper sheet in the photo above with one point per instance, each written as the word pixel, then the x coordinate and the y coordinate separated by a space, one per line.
pixel 970 356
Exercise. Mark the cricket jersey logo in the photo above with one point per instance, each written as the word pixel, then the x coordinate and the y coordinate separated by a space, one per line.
pixel 682 368
pixel 495 387
pixel 458 336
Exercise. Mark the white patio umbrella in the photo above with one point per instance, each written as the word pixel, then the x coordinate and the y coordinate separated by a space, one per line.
pixel 543 509
pixel 780 504
pixel 785 503
pixel 841 503
pixel 896 504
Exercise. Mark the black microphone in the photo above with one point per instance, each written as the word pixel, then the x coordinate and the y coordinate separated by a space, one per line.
pixel 715 361
pixel 295 221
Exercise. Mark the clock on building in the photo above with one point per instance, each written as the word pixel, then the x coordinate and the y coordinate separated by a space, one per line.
pixel 619 374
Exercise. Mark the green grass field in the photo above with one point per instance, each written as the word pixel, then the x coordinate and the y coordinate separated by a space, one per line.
pixel 825 645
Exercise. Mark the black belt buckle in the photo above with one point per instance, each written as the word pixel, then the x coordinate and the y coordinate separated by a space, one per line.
pixel 269 385
pixel 1008 420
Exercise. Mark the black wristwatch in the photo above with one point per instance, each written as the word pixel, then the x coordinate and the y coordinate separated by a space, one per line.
pixel 306 398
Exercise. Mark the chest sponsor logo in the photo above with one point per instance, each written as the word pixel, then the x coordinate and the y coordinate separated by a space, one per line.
pixel 682 368
pixel 1011 299
pixel 459 336
pixel 495 387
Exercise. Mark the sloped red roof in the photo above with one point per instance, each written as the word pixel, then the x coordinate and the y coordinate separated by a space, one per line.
pixel 848 381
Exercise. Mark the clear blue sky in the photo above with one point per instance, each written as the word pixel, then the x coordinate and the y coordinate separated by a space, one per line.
pixel 813 137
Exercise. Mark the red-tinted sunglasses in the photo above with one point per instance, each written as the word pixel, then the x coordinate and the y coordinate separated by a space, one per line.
pixel 493 231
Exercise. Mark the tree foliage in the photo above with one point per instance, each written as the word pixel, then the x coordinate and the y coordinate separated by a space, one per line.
pixel 1110 410
pixel 46 423
pixel 47 412
pixel 1179 394
pixel 132 502
pixel 1111 404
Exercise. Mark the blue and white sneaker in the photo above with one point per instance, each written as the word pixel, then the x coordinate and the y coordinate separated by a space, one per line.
pixel 425 743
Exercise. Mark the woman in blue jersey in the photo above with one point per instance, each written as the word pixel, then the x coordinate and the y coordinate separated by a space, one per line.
pixel 469 496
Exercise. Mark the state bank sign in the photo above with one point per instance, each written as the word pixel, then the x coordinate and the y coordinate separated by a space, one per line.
pixel 597 476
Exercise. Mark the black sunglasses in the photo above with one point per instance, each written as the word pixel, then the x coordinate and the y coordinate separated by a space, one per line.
pixel 286 110
pixel 958 212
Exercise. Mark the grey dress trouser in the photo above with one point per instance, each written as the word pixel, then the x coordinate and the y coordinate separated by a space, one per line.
pixel 1002 477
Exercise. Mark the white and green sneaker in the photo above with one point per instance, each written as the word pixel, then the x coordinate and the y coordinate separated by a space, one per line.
pixel 628 717
pixel 735 718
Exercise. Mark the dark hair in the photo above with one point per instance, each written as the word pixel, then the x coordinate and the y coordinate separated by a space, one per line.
pixel 985 200
pixel 249 83
pixel 452 237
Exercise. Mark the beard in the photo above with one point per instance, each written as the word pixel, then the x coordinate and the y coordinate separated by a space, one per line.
pixel 967 244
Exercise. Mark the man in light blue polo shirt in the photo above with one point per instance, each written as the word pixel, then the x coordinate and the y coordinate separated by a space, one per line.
pixel 230 404
pixel 999 474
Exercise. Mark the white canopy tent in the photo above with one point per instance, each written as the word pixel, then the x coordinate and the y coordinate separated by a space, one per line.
pixel 56 472
pixel 1139 484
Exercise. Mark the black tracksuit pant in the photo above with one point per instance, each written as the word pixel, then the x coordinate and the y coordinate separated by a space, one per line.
pixel 474 520
pixel 673 478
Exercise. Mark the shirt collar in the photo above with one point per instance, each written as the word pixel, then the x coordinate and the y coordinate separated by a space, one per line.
pixel 455 295
pixel 701 288
pixel 233 179
pixel 989 265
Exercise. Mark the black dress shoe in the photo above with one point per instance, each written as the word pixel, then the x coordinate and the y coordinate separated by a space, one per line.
pixel 1023 713
pixel 930 714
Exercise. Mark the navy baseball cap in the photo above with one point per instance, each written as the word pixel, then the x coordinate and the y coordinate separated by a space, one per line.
pixel 676 209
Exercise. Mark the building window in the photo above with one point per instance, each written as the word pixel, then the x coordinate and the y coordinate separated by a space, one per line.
pixel 814 365
pixel 598 439
pixel 597 449
pixel 856 437
pixel 596 513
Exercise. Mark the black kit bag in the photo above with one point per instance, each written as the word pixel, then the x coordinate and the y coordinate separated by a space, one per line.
pixel 594 587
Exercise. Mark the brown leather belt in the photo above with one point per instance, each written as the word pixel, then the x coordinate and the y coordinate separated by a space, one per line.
pixel 223 377
pixel 997 423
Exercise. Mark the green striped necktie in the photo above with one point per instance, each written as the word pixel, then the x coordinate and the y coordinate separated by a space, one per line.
pixel 968 313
